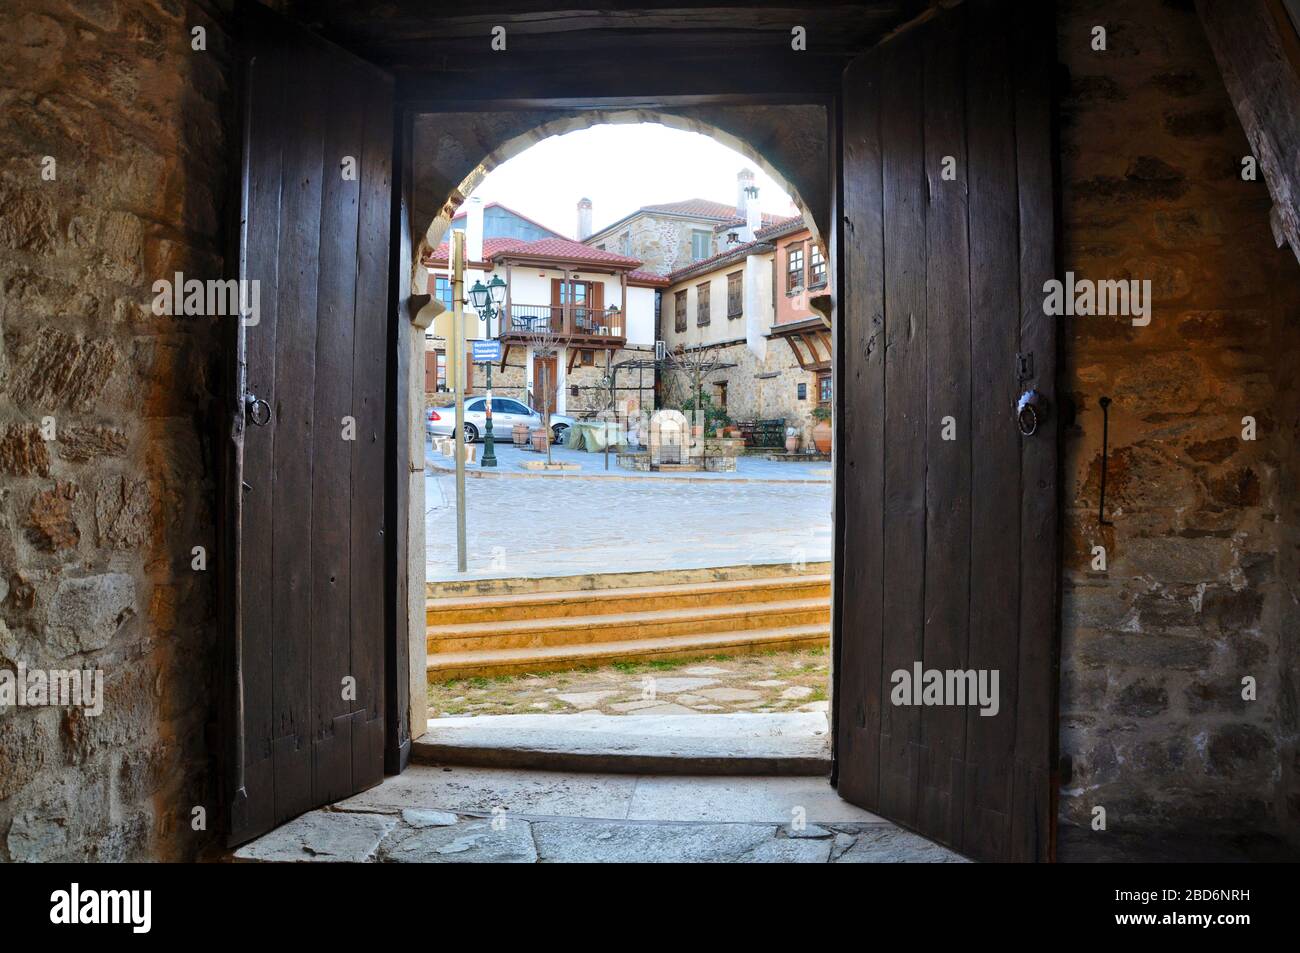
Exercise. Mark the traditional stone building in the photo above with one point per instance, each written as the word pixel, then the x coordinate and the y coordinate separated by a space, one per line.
pixel 598 308
pixel 673 235
pixel 748 304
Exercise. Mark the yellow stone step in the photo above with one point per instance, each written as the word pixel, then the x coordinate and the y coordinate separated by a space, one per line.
pixel 617 627
pixel 543 605
pixel 453 665
pixel 615 580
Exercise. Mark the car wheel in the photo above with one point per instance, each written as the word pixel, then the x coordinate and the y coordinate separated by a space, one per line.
pixel 471 433
pixel 557 433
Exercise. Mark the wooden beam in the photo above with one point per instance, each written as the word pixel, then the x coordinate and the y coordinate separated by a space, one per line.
pixel 1251 49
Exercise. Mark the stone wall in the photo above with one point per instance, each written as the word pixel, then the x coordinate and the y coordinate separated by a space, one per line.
pixel 105 466
pixel 1200 585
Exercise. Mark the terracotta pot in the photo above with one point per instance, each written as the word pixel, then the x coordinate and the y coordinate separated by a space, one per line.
pixel 539 439
pixel 791 444
pixel 519 434
pixel 821 435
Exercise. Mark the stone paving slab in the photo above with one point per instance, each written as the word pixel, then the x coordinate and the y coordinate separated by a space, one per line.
pixel 477 815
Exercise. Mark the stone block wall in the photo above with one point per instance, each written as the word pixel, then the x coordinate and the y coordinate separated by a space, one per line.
pixel 106 470
pixel 1199 589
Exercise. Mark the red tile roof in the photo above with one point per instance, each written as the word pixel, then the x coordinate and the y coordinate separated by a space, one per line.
pixel 560 249
pixel 704 208
pixel 647 277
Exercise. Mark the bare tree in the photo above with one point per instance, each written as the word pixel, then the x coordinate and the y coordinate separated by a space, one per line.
pixel 693 365
pixel 541 340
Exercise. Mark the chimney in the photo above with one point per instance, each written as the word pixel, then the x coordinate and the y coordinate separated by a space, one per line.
pixel 474 228
pixel 744 182
pixel 753 216
pixel 584 219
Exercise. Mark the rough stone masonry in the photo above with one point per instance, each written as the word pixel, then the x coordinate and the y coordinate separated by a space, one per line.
pixel 98 520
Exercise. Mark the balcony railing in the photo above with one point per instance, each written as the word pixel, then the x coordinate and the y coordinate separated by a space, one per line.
pixel 568 321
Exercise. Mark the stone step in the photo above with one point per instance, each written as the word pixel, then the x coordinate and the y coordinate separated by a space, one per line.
pixel 445 666
pixel 615 580
pixel 624 626
pixel 541 605
pixel 741 743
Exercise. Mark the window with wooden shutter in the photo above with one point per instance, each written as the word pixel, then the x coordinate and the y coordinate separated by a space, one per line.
pixel 679 315
pixel 816 267
pixel 702 304
pixel 794 269
pixel 735 294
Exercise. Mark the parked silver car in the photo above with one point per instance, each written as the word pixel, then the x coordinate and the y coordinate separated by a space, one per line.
pixel 506 412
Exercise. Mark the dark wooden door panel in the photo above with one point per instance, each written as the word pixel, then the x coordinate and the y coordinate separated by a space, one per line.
pixel 950 542
pixel 310 623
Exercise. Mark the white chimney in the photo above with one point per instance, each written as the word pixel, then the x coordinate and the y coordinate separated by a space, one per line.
pixel 584 219
pixel 474 228
pixel 744 182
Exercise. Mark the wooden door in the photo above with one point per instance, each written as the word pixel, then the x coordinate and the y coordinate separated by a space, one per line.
pixel 545 384
pixel 949 524
pixel 306 489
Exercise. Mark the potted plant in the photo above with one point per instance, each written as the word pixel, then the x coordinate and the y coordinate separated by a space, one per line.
pixel 519 434
pixel 540 439
pixel 821 432
pixel 791 439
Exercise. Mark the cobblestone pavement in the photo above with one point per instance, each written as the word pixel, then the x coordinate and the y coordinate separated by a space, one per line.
pixel 780 681
pixel 571 525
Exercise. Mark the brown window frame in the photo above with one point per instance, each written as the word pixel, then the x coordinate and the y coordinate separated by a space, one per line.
pixel 825 388
pixel 791 271
pixel 679 311
pixel 703 306
pixel 735 295
pixel 817 268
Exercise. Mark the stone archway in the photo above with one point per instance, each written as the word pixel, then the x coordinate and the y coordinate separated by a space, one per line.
pixel 454 152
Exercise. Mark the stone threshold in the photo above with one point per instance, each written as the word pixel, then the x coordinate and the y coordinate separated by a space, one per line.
pixel 784 744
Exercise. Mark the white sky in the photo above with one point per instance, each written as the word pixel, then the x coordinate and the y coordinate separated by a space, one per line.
pixel 621 168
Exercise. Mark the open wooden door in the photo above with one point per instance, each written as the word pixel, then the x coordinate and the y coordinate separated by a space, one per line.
pixel 950 552
pixel 305 479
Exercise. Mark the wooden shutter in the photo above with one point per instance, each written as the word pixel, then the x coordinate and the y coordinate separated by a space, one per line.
pixel 950 554
pixel 305 517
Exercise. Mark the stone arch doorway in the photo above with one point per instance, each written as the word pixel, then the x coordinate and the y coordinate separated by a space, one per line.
pixel 451 152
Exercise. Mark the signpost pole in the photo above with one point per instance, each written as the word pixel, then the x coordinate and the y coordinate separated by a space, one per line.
pixel 458 349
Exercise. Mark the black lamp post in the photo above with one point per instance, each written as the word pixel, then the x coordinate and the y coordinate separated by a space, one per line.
pixel 487 300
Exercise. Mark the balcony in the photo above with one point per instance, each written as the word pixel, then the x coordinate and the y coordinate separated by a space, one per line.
pixel 568 323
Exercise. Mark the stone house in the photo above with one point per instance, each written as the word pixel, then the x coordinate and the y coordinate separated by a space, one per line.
pixel 673 235
pixel 750 301
pixel 600 308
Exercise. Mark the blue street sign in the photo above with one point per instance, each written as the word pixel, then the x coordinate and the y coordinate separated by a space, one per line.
pixel 484 352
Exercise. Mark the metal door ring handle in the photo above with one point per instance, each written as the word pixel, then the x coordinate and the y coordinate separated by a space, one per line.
pixel 259 411
pixel 1030 411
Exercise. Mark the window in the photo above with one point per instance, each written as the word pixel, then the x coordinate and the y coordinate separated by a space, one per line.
pixel 735 294
pixel 475 406
pixel 625 243
pixel 588 358
pixel 442 291
pixel 701 245
pixel 679 316
pixel 794 269
pixel 801 391
pixel 720 394
pixel 601 246
pixel 824 389
pixel 816 267
pixel 702 305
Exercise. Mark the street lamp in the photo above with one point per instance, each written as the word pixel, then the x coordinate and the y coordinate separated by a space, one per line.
pixel 487 301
